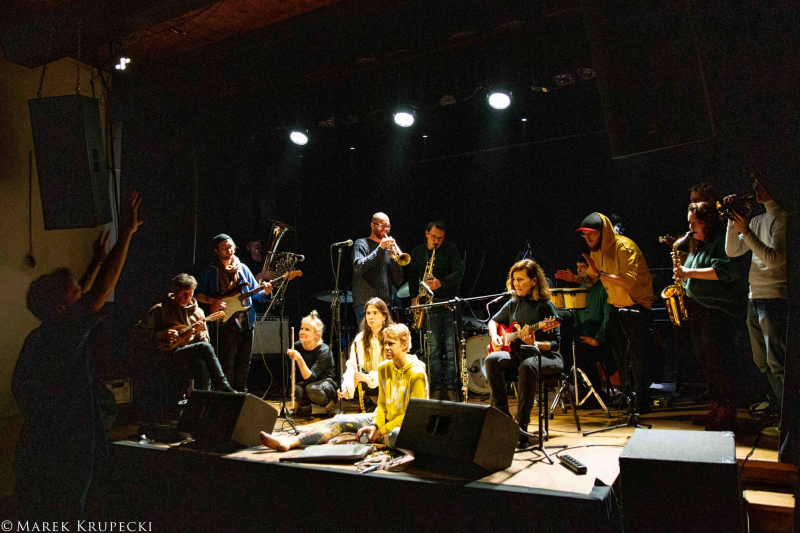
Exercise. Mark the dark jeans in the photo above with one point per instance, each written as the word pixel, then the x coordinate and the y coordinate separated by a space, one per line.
pixel 714 340
pixel 203 363
pixel 629 334
pixel 526 363
pixel 319 392
pixel 442 348
pixel 234 349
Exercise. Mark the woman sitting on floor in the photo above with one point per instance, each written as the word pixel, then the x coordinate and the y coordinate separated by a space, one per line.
pixel 366 353
pixel 401 377
pixel 314 360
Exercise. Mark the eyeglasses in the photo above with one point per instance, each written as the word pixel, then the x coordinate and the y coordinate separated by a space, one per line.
pixel 588 233
pixel 382 225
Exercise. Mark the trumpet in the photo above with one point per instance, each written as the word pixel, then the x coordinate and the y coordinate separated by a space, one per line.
pixel 395 253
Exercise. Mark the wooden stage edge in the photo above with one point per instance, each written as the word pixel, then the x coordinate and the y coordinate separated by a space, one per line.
pixel 251 490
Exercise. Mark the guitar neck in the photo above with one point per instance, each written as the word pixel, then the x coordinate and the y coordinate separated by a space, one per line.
pixel 245 295
pixel 511 337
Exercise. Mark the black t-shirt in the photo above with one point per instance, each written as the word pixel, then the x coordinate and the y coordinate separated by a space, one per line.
pixel 319 361
pixel 527 312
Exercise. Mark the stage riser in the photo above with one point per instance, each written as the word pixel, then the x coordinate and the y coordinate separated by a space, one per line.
pixel 184 491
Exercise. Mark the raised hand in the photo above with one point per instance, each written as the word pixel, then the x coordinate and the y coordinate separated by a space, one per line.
pixel 130 214
pixel 99 246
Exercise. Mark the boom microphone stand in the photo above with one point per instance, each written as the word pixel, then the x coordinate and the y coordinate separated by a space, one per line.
pixel 336 316
pixel 630 396
pixel 461 345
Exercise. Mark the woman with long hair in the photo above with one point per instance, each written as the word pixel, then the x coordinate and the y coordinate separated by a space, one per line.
pixel 366 351
pixel 529 306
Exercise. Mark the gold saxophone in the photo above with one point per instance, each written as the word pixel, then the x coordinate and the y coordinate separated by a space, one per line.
pixel 425 295
pixel 674 294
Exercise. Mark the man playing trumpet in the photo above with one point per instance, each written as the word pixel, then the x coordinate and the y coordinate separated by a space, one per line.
pixel 374 270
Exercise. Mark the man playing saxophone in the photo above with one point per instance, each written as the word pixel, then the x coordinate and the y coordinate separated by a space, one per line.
pixel 374 269
pixel 716 295
pixel 443 278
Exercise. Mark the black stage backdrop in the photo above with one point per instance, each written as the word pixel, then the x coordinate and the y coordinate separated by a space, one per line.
pixel 205 170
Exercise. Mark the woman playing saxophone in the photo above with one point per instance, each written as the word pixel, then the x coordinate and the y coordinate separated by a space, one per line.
pixel 716 298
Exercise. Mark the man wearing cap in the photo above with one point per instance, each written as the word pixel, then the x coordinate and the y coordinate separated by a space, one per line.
pixel 619 265
pixel 234 338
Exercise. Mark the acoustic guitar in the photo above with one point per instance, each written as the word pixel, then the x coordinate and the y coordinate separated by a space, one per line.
pixel 234 299
pixel 186 332
pixel 510 334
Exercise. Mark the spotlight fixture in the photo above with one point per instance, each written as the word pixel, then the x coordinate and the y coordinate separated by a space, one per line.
pixel 299 136
pixel 123 62
pixel 404 117
pixel 499 99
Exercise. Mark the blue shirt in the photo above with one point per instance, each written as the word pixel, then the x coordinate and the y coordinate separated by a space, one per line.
pixel 208 284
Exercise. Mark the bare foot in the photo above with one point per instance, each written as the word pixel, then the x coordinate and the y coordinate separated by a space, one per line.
pixel 282 445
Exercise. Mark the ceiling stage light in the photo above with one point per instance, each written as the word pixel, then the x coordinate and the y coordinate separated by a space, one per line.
pixel 499 100
pixel 299 137
pixel 404 117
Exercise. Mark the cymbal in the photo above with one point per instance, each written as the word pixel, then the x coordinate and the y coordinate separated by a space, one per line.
pixel 403 291
pixel 327 296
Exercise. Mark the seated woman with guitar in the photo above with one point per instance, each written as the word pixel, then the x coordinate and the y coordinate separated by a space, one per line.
pixel 513 327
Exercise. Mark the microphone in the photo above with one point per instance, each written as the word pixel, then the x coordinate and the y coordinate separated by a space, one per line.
pixel 507 293
pixel 343 244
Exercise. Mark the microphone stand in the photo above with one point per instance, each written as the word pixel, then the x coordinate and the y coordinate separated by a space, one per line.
pixel 336 319
pixel 284 411
pixel 455 303
pixel 630 396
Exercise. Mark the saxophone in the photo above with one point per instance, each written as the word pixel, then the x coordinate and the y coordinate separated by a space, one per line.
pixel 674 294
pixel 425 295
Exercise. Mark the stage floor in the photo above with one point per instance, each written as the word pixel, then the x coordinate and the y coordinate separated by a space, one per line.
pixel 543 496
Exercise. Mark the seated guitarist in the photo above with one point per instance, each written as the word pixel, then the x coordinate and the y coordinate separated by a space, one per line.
pixel 177 326
pixel 234 339
pixel 530 308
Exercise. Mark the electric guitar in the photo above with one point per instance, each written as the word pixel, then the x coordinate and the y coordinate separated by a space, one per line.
pixel 511 333
pixel 234 299
pixel 186 333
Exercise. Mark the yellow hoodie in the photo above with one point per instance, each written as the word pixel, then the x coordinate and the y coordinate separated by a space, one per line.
pixel 620 255
pixel 397 387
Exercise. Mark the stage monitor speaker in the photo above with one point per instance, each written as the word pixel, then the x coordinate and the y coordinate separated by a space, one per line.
pixel 649 74
pixel 266 338
pixel 462 439
pixel 216 419
pixel 71 161
pixel 680 481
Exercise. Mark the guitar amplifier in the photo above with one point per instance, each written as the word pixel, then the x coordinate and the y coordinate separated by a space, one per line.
pixel 266 338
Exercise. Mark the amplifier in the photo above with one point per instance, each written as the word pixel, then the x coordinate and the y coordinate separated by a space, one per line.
pixel 266 338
